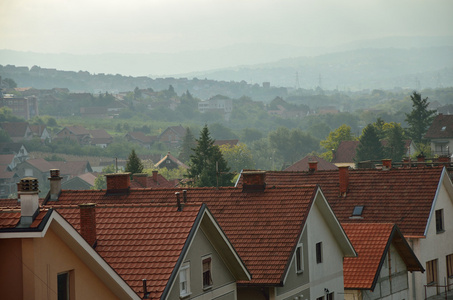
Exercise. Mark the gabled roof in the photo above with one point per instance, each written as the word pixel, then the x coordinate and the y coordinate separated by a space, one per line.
pixel 400 196
pixel 148 241
pixel 302 165
pixel 263 226
pixel 178 130
pixel 41 164
pixel 100 134
pixel 345 152
pixel 5 160
pixel 140 136
pixel 77 130
pixel 161 163
pixel 71 167
pixel 15 129
pixel 372 242
pixel 38 129
pixel 9 148
pixel 441 128
pixel 158 181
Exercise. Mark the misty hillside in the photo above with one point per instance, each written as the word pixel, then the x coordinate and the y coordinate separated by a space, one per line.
pixel 357 69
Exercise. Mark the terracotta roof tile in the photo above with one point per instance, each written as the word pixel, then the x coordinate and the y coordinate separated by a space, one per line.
pixel 345 152
pixel 369 241
pixel 400 196
pixel 15 129
pixel 441 128
pixel 262 226
pixel 141 241
pixel 10 217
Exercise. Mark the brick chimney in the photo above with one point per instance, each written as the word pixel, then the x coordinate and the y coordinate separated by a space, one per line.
pixel 312 166
pixel 88 222
pixel 253 181
pixel 344 180
pixel 28 193
pixel 406 162
pixel 386 164
pixel 444 160
pixel 141 178
pixel 155 175
pixel 55 184
pixel 118 183
pixel 420 160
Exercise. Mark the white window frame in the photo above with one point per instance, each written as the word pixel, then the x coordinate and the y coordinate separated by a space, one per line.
pixel 185 269
pixel 299 257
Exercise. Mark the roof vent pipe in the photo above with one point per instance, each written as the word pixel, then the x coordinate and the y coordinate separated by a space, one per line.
pixel 184 196
pixel 145 290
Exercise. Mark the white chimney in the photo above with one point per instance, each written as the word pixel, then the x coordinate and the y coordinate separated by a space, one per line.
pixel 28 192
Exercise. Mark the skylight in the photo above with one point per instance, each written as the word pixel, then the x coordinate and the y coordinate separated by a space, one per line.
pixel 443 128
pixel 357 212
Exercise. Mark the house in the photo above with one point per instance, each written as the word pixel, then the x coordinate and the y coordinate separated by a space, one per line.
pixel 440 133
pixel 380 271
pixel 154 181
pixel 24 107
pixel 37 167
pixel 41 132
pixel 346 151
pixel 17 131
pixel 172 136
pixel 100 138
pixel 140 138
pixel 78 252
pixel 18 149
pixel 219 103
pixel 418 200
pixel 288 237
pixel 71 169
pixel 311 162
pixel 170 162
pixel 81 182
pixel 8 179
pixel 75 133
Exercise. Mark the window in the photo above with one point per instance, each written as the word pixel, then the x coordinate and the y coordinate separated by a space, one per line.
pixel 440 221
pixel 28 172
pixel 299 258
pixel 450 266
pixel 357 212
pixel 330 296
pixel 63 286
pixel 320 298
pixel 431 271
pixel 184 280
pixel 207 276
pixel 319 252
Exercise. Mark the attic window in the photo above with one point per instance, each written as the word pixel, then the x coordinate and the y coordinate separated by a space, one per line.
pixel 357 212
pixel 443 128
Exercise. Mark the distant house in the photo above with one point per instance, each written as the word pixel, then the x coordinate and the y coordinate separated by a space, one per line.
pixel 311 162
pixel 154 181
pixel 380 271
pixel 8 178
pixel 75 133
pixel 18 149
pixel 17 131
pixel 71 169
pixel 172 136
pixel 41 132
pixel 140 138
pixel 170 162
pixel 80 182
pixel 440 133
pixel 26 107
pixel 221 104
pixel 38 168
pixel 100 138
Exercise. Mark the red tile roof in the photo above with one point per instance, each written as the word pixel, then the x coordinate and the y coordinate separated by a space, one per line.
pixel 41 164
pixel 140 136
pixel 345 152
pixel 15 129
pixel 441 128
pixel 370 241
pixel 140 241
pixel 78 130
pixel 151 182
pixel 73 168
pixel 9 218
pixel 400 196
pixel 302 165
pixel 262 226
pixel 161 163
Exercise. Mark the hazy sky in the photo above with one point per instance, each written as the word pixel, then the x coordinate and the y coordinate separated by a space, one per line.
pixel 144 26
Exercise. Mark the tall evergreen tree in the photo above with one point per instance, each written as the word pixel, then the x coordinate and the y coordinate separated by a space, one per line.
pixel 369 148
pixel 207 165
pixel 133 163
pixel 395 147
pixel 420 118
pixel 187 146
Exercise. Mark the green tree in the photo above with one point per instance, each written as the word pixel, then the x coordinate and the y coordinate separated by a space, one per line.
pixel 207 165
pixel 239 157
pixel 333 140
pixel 420 118
pixel 100 182
pixel 187 146
pixel 133 163
pixel 395 146
pixel 370 147
pixel 10 82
